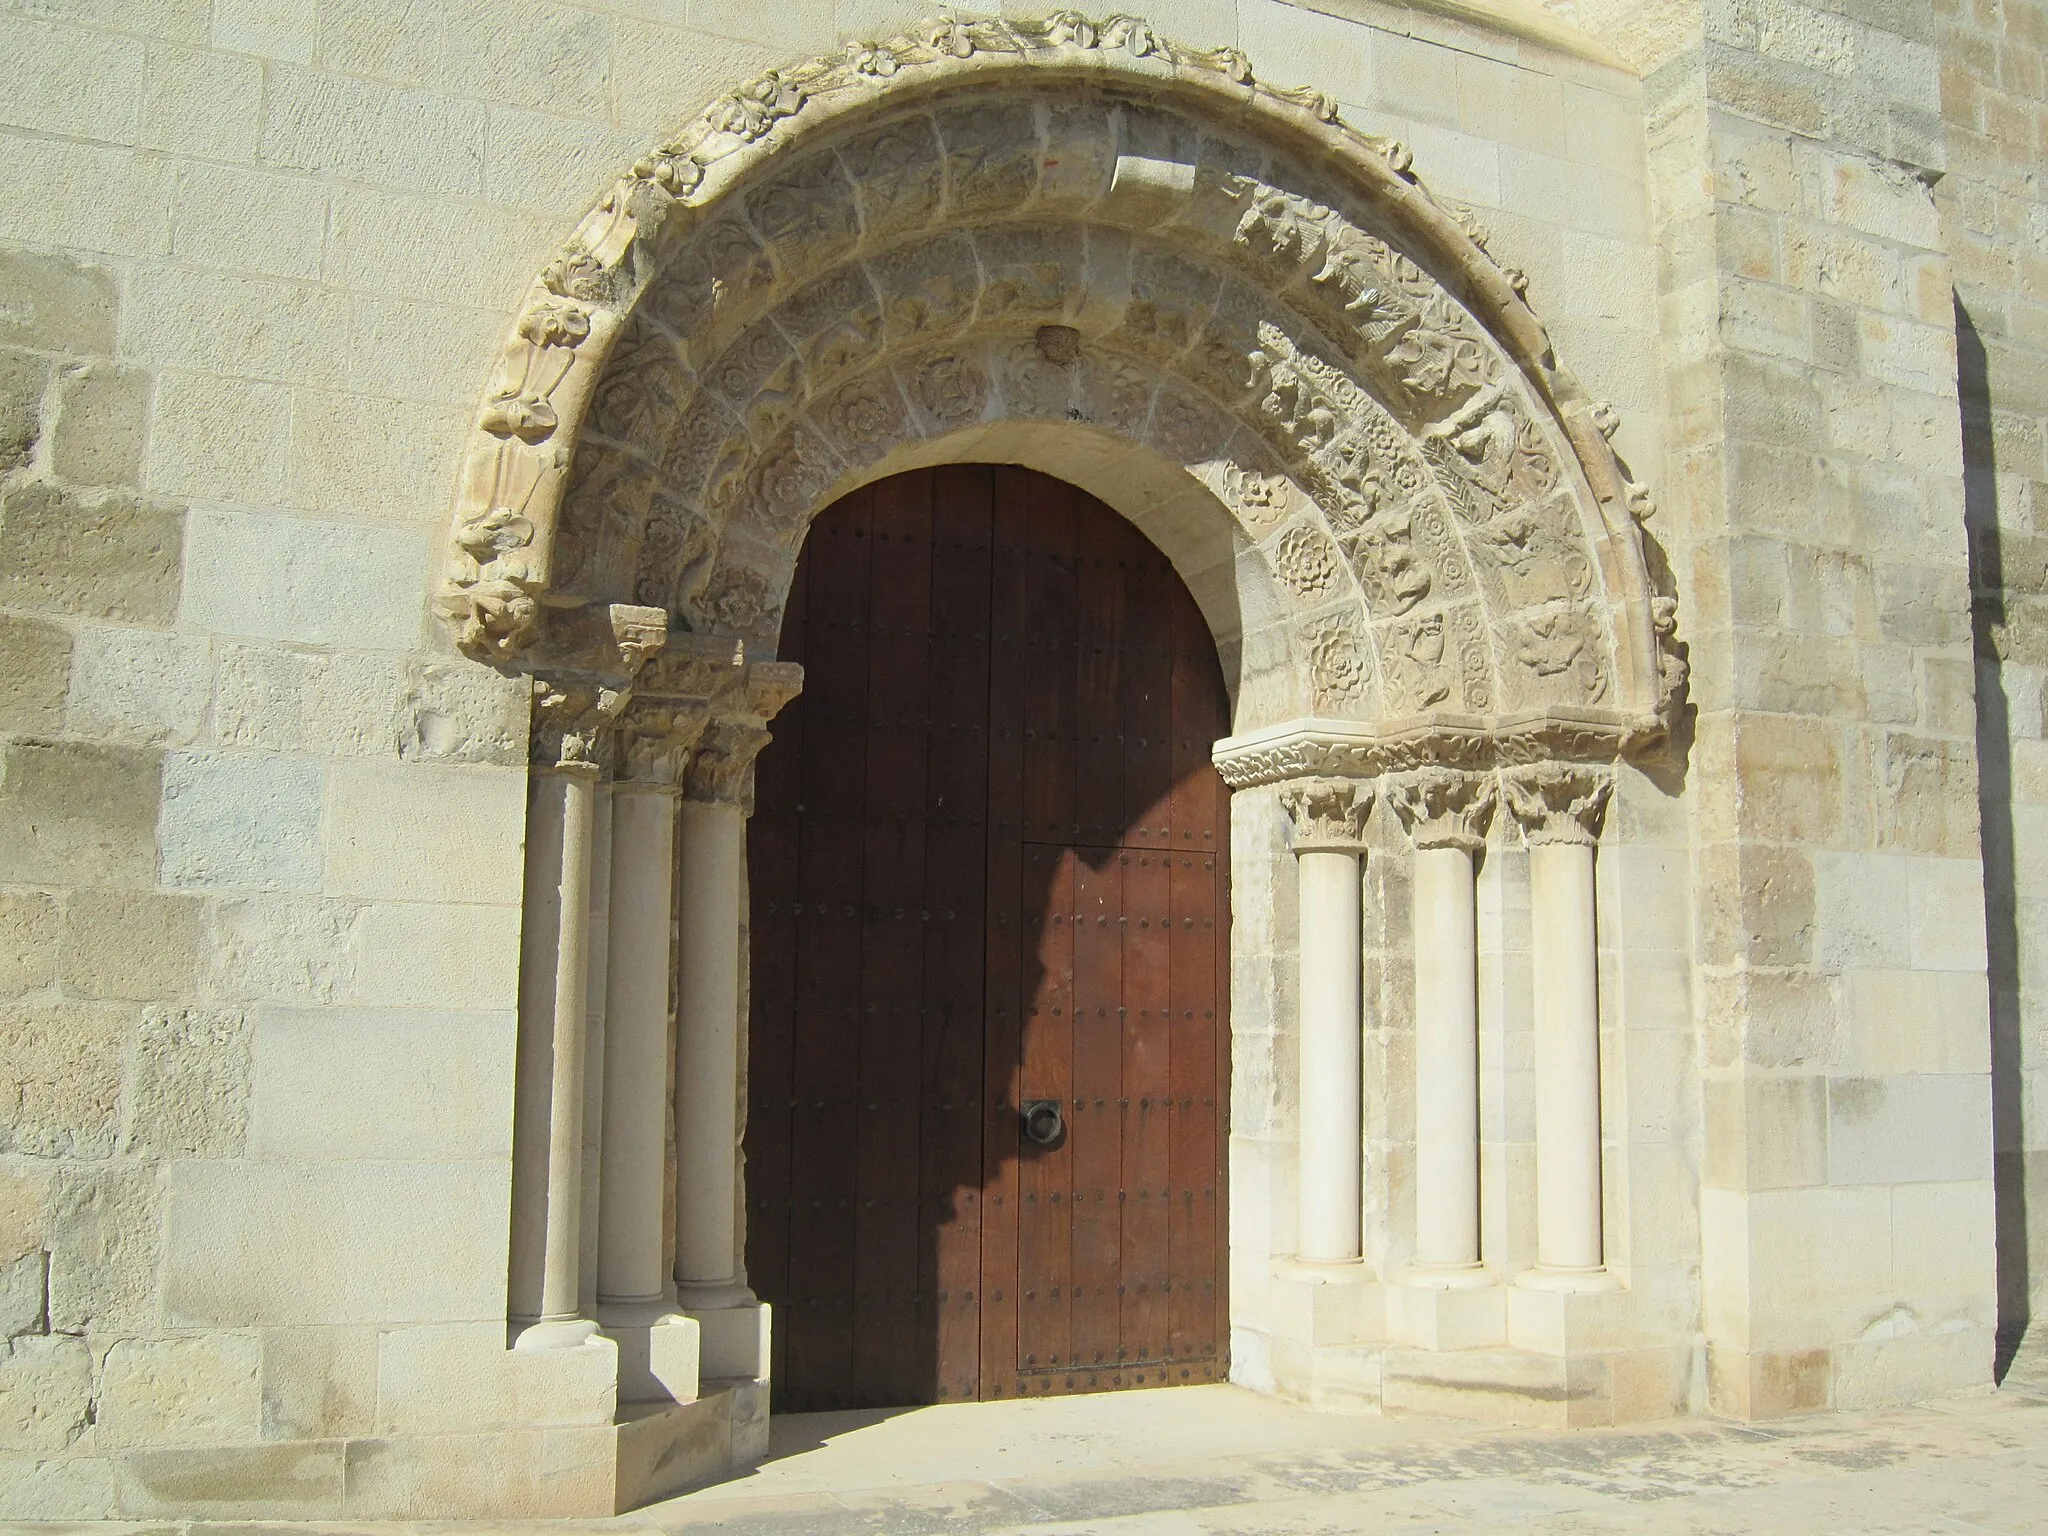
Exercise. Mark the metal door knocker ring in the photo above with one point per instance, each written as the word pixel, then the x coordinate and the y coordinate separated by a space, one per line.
pixel 1044 1125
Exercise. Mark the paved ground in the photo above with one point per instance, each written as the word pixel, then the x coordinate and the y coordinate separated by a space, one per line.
pixel 1204 1461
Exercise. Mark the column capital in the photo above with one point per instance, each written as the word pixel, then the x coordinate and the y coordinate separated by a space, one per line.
pixel 573 718
pixel 722 771
pixel 656 739
pixel 1558 802
pixel 1444 807
pixel 583 672
pixel 1328 814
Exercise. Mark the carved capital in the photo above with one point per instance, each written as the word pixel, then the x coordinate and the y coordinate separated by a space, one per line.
pixel 1443 808
pixel 772 684
pixel 1328 814
pixel 573 716
pixel 1558 802
pixel 611 642
pixel 657 738
pixel 722 772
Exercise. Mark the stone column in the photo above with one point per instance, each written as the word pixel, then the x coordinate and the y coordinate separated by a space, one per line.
pixel 1329 846
pixel 570 720
pixel 636 1297
pixel 717 800
pixel 1559 808
pixel 1446 813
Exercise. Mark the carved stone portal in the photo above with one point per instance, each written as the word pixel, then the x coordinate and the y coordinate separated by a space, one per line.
pixel 848 258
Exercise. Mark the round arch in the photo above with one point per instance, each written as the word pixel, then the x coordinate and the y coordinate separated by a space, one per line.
pixel 1138 265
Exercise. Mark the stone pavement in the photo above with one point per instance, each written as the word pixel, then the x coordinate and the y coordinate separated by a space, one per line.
pixel 1204 1461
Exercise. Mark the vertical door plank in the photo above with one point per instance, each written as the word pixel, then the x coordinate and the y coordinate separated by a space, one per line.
pixel 953 916
pixel 1096 1107
pixel 1196 1185
pixel 826 1069
pixel 773 863
pixel 1010 929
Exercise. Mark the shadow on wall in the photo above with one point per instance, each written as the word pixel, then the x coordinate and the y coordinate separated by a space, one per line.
pixel 988 868
pixel 1994 798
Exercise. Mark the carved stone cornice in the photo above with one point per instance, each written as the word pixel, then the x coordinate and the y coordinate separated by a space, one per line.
pixel 1310 746
pixel 1329 815
pixel 1558 802
pixel 1444 807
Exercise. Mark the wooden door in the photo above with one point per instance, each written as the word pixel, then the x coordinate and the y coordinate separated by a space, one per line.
pixel 989 867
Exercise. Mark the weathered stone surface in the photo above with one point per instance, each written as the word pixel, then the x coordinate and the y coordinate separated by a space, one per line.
pixel 139 685
pixel 319 1383
pixel 102 425
pixel 77 812
pixel 25 1295
pixel 255 1482
pixel 188 1086
pixel 35 670
pixel 45 1393
pixel 283 948
pixel 465 714
pixel 191 1391
pixel 60 1077
pixel 98 556
pixel 131 944
pixel 101 1225
pixel 249 822
pixel 57 303
pixel 24 380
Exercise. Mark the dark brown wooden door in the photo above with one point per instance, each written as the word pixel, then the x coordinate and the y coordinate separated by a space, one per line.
pixel 989 866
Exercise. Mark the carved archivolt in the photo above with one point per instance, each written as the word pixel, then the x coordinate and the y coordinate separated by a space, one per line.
pixel 857 253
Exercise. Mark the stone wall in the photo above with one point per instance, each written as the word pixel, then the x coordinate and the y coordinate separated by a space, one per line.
pixel 1840 938
pixel 261 829
pixel 1994 222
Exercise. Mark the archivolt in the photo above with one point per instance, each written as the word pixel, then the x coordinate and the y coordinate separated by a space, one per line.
pixel 856 254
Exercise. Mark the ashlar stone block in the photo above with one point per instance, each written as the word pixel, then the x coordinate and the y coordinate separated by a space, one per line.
pixel 35 671
pixel 57 303
pixel 102 424
pixel 241 822
pixel 100 1224
pixel 60 1077
pixel 45 1392
pixel 24 380
pixel 426 832
pixel 137 945
pixel 139 685
pixel 188 1093
pixel 181 1391
pixel 28 942
pixel 104 556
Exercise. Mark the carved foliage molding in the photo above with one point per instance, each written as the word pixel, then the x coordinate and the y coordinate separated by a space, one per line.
pixel 1444 808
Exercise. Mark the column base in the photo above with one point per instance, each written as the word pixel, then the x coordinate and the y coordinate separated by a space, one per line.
pixel 1323 1271
pixel 553 1333
pixel 707 1295
pixel 733 1339
pixel 1445 1277
pixel 659 1350
pixel 1546 1277
pixel 1427 1313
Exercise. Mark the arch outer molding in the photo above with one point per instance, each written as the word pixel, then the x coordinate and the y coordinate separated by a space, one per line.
pixel 1402 513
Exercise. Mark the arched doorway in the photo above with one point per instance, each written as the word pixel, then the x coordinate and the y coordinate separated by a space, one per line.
pixel 989 1029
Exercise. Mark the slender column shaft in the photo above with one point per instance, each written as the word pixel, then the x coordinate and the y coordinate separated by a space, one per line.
pixel 1446 1059
pixel 1331 1126
pixel 631 1263
pixel 1565 964
pixel 553 1004
pixel 707 1042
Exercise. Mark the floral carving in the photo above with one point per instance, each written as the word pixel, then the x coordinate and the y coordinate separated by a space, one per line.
pixel 1336 664
pixel 1444 808
pixel 1558 802
pixel 1329 815
pixel 1261 502
pixel 951 389
pixel 1306 560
